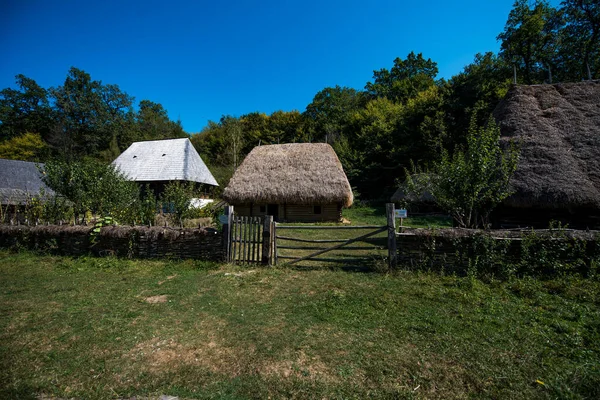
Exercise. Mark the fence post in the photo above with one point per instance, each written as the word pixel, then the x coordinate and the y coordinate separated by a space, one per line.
pixel 391 224
pixel 266 240
pixel 227 233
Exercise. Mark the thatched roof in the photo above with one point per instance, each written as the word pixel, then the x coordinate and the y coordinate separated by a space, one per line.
pixel 425 197
pixel 19 180
pixel 299 173
pixel 558 128
pixel 164 160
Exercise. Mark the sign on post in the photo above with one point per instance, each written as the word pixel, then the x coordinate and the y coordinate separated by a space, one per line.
pixel 402 213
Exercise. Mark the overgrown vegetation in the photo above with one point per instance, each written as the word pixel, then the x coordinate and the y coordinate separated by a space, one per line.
pixel 103 327
pixel 471 182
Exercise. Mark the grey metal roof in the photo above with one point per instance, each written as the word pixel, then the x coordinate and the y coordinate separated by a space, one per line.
pixel 19 180
pixel 164 160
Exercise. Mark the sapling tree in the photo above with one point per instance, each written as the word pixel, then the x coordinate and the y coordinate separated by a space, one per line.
pixel 471 182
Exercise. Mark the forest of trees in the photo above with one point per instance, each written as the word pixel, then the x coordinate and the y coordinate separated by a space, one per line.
pixel 403 114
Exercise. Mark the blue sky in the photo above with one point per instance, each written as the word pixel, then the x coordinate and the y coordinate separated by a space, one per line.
pixel 204 59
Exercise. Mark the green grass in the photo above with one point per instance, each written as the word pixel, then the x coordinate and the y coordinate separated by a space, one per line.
pixel 83 328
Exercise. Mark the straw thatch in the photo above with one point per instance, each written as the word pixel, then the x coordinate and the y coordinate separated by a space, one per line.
pixel 558 129
pixel 424 197
pixel 299 173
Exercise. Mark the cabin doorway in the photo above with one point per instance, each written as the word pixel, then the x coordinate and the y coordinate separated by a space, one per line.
pixel 273 209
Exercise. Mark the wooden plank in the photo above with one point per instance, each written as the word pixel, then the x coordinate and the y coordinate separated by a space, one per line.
pixel 312 240
pixel 338 245
pixel 335 260
pixel 267 240
pixel 227 233
pixel 275 242
pixel 330 227
pixel 391 228
pixel 319 248
pixel 234 240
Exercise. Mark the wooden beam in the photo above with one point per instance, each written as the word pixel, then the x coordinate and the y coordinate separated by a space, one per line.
pixel 338 246
pixel 267 240
pixel 391 228
pixel 331 227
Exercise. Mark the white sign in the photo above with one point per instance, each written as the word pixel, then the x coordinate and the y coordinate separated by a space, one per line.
pixel 401 213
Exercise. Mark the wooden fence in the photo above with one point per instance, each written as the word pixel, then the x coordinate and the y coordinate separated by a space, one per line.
pixel 249 240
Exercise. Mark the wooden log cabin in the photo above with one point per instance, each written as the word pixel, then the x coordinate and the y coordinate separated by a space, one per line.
pixel 301 182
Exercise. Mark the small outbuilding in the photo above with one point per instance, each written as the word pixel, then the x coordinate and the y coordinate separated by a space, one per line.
pixel 158 162
pixel 292 182
pixel 557 128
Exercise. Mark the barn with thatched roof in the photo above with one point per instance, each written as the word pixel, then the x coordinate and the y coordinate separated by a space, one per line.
pixel 158 162
pixel 558 175
pixel 292 182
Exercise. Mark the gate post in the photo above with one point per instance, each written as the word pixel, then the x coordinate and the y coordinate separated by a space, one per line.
pixel 391 224
pixel 267 240
pixel 227 233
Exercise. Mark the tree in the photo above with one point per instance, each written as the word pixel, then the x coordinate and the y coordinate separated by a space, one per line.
pixel 91 186
pixel 89 114
pixel 581 39
pixel 530 38
pixel 25 110
pixel 405 79
pixel 26 147
pixel 470 183
pixel 328 115
pixel 475 91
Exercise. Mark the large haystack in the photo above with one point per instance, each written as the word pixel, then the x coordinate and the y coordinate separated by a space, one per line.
pixel 299 173
pixel 558 129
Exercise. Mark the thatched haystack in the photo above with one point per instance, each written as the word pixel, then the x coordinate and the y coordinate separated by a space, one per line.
pixel 558 129
pixel 290 174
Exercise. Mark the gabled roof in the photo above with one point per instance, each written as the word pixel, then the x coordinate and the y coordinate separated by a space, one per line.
pixel 164 160
pixel 19 180
pixel 299 173
pixel 558 130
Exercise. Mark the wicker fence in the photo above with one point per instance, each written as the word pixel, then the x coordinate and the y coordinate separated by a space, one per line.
pixel 123 241
pixel 500 253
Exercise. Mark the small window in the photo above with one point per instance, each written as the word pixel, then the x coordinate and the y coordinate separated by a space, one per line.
pixel 263 209
pixel 317 209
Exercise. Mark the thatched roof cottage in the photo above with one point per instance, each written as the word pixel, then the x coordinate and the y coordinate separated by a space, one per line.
pixel 158 162
pixel 292 182
pixel 19 181
pixel 558 175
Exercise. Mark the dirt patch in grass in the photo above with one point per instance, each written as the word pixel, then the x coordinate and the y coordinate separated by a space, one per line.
pixel 156 299
pixel 158 356
pixel 302 367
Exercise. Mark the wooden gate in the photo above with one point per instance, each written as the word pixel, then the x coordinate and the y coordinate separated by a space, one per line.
pixel 256 240
pixel 282 242
pixel 247 239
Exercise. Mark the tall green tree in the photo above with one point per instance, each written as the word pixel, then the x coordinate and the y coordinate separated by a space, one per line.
pixel 580 50
pixel 470 183
pixel 530 39
pixel 26 109
pixel 406 78
pixel 328 115
pixel 88 114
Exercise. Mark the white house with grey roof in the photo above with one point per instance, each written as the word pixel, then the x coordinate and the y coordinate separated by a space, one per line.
pixel 158 162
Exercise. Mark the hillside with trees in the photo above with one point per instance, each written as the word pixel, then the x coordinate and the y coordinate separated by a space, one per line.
pixel 404 115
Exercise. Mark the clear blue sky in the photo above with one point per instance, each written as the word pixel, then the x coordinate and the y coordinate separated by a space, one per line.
pixel 204 59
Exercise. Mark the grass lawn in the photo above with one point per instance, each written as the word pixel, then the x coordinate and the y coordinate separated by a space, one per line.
pixel 98 328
